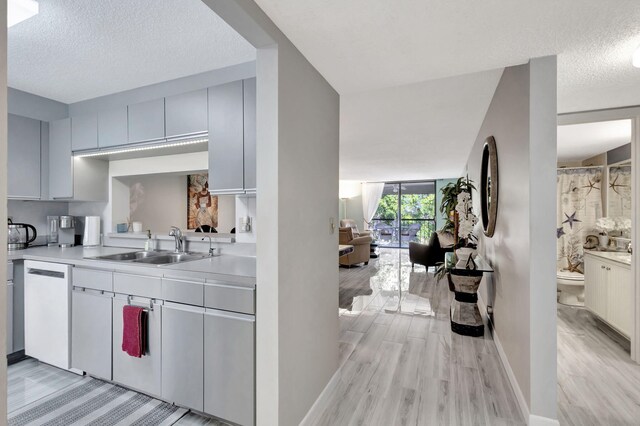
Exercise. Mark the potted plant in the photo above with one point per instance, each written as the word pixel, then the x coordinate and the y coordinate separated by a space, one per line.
pixel 449 202
pixel 461 230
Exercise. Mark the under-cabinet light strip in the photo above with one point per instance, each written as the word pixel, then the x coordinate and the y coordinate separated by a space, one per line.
pixel 140 148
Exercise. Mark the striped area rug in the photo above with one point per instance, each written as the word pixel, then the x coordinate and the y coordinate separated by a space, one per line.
pixel 97 403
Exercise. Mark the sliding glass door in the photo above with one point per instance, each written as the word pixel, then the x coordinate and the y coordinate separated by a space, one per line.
pixel 405 213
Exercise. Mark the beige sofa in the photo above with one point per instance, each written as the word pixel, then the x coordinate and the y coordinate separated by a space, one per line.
pixel 361 247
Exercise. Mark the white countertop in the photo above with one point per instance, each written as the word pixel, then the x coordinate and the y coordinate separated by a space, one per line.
pixel 224 266
pixel 616 256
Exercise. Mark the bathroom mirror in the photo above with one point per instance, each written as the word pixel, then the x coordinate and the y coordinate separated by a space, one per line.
pixel 619 194
pixel 489 186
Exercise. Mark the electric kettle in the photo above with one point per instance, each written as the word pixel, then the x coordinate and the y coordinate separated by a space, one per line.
pixel 19 236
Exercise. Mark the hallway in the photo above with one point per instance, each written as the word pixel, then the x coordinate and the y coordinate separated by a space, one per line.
pixel 401 364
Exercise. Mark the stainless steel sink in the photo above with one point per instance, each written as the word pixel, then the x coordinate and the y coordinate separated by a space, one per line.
pixel 133 255
pixel 168 258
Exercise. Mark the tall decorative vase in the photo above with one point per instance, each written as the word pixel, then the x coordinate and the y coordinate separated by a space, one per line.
pixel 604 240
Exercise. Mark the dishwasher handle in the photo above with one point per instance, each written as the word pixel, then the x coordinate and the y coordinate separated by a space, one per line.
pixel 46 273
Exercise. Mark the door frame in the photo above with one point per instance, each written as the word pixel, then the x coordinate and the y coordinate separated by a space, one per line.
pixel 633 114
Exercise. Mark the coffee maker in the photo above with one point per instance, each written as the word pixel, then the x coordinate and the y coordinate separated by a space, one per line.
pixel 67 231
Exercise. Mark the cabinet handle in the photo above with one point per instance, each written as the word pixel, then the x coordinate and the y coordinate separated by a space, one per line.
pixel 608 268
pixel 602 266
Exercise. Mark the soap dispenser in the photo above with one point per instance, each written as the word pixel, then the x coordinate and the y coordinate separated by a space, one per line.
pixel 148 244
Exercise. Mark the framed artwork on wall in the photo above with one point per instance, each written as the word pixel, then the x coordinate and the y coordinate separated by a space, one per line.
pixel 202 207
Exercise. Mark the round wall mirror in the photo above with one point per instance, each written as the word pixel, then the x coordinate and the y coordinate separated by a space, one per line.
pixel 489 186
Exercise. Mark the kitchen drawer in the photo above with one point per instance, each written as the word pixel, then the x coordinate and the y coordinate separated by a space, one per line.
pixel 137 285
pixel 229 297
pixel 181 291
pixel 93 279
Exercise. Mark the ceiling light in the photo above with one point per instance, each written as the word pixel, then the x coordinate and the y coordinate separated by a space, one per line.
pixel 19 10
pixel 139 148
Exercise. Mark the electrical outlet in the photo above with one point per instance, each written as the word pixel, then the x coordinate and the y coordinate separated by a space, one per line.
pixel 244 224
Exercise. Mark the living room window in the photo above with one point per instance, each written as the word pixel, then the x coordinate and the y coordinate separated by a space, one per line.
pixel 406 212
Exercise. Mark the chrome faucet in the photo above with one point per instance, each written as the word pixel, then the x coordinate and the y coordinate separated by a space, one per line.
pixel 177 234
pixel 212 251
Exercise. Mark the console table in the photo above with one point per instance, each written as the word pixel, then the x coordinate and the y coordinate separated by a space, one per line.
pixel 465 315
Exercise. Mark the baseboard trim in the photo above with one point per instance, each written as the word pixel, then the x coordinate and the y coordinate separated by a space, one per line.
pixel 522 402
pixel 542 421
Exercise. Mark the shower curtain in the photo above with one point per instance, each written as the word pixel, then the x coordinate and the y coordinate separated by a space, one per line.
pixel 579 206
pixel 619 195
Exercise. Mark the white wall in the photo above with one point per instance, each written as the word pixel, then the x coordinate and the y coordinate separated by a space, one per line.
pixel 350 204
pixel 297 175
pixel 522 290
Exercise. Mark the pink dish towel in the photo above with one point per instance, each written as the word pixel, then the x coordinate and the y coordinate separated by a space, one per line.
pixel 133 335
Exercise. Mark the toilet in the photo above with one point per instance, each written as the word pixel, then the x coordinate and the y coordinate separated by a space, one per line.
pixel 570 288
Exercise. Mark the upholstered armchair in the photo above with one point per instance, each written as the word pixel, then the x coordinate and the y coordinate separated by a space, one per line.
pixel 361 247
pixel 350 223
pixel 432 253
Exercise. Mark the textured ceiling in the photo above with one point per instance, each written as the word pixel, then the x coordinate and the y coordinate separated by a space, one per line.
pixel 416 131
pixel 577 142
pixel 79 49
pixel 362 45
pixel 399 121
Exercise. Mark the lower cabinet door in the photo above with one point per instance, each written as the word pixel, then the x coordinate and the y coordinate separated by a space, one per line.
pixel 10 316
pixel 619 297
pixel 183 355
pixel 142 374
pixel 229 366
pixel 91 319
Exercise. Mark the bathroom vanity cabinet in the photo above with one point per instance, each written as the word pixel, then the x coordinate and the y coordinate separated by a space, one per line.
pixel 608 292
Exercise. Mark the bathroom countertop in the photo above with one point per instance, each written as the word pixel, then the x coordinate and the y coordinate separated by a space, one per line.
pixel 240 269
pixel 616 256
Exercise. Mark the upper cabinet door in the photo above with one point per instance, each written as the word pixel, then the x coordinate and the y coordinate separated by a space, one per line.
pixel 60 159
pixel 84 132
pixel 112 127
pixel 146 121
pixel 23 165
pixel 226 142
pixel 186 114
pixel 250 135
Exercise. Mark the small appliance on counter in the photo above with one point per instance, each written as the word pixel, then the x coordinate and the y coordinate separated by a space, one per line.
pixel 91 231
pixel 67 231
pixel 52 224
pixel 19 237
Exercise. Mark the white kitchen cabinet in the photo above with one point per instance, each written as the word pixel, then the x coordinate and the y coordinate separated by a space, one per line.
pixel 9 317
pixel 73 178
pixel 186 114
pixel 226 139
pixel 91 334
pixel 250 135
pixel 84 132
pixel 183 355
pixel 608 292
pixel 142 374
pixel 112 127
pixel 229 366
pixel 60 159
pixel 146 121
pixel 23 153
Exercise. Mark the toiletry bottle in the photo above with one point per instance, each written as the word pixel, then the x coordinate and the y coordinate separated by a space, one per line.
pixel 148 244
